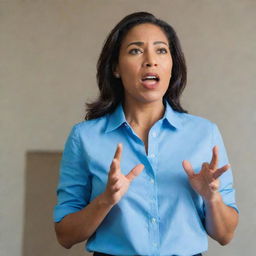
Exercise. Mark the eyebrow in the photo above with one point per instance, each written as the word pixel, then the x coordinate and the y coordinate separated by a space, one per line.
pixel 141 43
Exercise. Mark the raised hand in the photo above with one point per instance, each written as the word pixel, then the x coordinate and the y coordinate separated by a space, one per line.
pixel 206 182
pixel 118 183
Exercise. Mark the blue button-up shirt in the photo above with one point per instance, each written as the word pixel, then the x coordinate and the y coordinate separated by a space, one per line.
pixel 160 214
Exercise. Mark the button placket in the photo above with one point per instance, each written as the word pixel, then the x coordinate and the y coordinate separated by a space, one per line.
pixel 152 158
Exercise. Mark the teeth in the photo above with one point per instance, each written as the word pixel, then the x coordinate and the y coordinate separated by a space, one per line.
pixel 150 77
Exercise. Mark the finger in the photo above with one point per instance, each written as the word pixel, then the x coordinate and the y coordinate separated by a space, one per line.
pixel 188 168
pixel 114 179
pixel 135 172
pixel 214 161
pixel 117 186
pixel 205 166
pixel 113 176
pixel 207 172
pixel 114 168
pixel 221 170
pixel 214 186
pixel 118 152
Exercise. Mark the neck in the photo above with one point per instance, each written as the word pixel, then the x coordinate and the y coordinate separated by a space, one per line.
pixel 143 115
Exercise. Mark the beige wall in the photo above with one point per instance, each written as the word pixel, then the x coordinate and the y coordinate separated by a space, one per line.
pixel 48 53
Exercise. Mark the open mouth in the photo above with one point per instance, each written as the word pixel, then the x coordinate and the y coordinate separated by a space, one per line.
pixel 150 80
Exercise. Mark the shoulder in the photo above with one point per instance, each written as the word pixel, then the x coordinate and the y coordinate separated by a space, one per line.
pixel 194 123
pixel 90 127
pixel 194 120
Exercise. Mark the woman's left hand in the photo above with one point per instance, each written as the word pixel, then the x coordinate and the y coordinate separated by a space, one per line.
pixel 206 182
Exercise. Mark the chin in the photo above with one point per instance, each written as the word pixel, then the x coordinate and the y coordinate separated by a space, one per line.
pixel 151 99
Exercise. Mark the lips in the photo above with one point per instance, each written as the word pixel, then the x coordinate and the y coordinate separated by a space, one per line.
pixel 150 80
pixel 150 76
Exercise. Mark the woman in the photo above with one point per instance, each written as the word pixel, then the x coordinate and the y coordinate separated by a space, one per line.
pixel 141 176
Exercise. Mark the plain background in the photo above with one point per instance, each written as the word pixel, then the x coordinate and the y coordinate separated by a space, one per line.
pixel 48 54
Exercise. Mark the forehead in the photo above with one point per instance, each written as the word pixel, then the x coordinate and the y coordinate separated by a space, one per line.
pixel 145 32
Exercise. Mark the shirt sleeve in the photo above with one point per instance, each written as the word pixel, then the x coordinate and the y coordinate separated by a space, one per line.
pixel 74 187
pixel 226 188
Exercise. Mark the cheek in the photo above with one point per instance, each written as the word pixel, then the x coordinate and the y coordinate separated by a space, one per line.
pixel 167 67
pixel 129 70
pixel 129 66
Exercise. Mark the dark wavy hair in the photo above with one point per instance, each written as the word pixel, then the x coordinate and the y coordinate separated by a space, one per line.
pixel 111 90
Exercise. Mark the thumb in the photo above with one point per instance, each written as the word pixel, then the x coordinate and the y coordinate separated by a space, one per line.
pixel 135 172
pixel 188 168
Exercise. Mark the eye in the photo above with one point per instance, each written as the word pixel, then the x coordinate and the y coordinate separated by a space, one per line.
pixel 162 50
pixel 134 51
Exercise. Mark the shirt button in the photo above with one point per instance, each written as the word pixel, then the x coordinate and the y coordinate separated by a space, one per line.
pixel 152 181
pixel 153 220
pixel 152 155
pixel 154 134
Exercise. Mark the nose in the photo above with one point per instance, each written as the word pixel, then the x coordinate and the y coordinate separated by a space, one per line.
pixel 150 60
pixel 150 64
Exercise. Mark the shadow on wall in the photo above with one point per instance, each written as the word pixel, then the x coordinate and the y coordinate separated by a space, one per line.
pixel 42 171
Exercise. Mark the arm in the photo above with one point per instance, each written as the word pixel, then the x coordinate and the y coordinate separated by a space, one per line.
pixel 79 226
pixel 221 220
pixel 215 185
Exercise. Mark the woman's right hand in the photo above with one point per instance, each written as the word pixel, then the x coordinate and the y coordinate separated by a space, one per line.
pixel 118 183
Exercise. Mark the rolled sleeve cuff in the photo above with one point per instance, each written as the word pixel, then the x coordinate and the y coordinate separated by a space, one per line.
pixel 234 206
pixel 60 211
pixel 228 197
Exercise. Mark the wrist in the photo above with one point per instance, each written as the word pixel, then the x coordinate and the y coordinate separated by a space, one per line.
pixel 214 198
pixel 104 201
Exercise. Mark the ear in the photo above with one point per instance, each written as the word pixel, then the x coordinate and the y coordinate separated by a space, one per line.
pixel 117 69
pixel 116 72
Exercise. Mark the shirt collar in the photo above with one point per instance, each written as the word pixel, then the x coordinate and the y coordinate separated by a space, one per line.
pixel 117 118
pixel 173 117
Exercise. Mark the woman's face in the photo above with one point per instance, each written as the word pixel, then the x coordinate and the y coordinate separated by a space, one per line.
pixel 145 64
